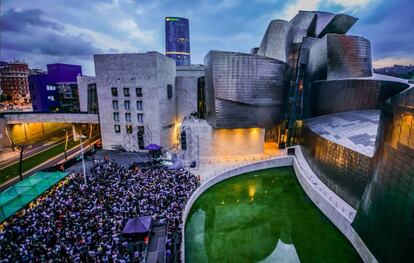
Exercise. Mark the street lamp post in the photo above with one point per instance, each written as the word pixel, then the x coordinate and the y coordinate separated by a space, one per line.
pixel 66 143
pixel 21 161
pixel 83 160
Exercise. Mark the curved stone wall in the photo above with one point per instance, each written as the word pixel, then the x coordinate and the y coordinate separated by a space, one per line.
pixel 385 218
pixel 243 90
pixel 349 95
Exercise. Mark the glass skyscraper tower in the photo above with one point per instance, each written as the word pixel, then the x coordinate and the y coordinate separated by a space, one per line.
pixel 177 40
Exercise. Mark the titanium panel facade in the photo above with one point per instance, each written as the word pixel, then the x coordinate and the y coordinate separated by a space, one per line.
pixel 385 218
pixel 275 42
pixel 326 22
pixel 349 95
pixel 338 57
pixel 339 149
pixel 243 90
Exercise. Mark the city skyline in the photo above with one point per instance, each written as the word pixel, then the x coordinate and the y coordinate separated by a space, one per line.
pixel 124 26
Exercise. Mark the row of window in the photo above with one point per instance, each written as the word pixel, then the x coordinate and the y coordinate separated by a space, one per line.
pixel 50 87
pixel 138 92
pixel 140 116
pixel 127 105
pixel 128 129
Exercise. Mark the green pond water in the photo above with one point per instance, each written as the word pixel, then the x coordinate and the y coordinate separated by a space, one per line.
pixel 262 216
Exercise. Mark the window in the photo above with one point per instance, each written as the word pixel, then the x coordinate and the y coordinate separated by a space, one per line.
pixel 51 98
pixel 139 105
pixel 127 116
pixel 117 128
pixel 114 92
pixel 169 91
pixel 138 92
pixel 33 97
pixel 140 117
pixel 50 87
pixel 127 105
pixel 183 140
pixel 141 132
pixel 116 116
pixel 129 128
pixel 115 104
pixel 34 107
pixel 126 92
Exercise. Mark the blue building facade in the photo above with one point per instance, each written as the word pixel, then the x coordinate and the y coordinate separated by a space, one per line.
pixel 177 40
pixel 45 88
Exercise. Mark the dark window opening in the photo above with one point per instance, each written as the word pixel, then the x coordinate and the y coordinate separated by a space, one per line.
pixel 138 92
pixel 183 140
pixel 141 132
pixel 201 97
pixel 114 92
pixel 126 92
pixel 169 91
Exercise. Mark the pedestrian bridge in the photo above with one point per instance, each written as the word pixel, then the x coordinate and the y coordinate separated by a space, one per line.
pixel 31 117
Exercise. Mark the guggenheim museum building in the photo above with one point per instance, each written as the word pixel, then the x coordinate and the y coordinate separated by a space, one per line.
pixel 309 85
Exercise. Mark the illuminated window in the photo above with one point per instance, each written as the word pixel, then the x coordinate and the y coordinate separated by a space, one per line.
pixel 129 128
pixel 51 98
pixel 114 92
pixel 117 128
pixel 50 87
pixel 127 105
pixel 126 92
pixel 140 117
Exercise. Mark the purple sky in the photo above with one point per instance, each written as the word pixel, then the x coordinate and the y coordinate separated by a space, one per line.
pixel 50 31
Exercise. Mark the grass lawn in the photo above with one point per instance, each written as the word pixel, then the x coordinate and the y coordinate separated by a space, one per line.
pixel 28 163
pixel 262 216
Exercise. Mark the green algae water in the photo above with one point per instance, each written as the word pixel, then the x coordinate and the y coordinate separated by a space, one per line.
pixel 262 216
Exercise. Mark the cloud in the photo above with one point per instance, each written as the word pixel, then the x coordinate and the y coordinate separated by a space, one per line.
pixel 19 20
pixel 30 31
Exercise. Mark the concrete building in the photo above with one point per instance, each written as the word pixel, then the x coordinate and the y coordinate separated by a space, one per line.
pixel 88 97
pixel 14 82
pixel 189 83
pixel 137 103
pixel 55 91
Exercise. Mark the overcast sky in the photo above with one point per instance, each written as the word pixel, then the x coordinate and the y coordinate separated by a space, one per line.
pixel 71 31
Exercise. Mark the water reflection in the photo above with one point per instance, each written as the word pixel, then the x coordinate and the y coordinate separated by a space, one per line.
pixel 262 218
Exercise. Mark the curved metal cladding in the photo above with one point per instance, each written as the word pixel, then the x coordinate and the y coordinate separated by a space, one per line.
pixel 385 218
pixel 339 57
pixel 303 20
pixel 243 90
pixel 274 42
pixel 339 24
pixel 279 38
pixel 344 171
pixel 351 94
pixel 326 22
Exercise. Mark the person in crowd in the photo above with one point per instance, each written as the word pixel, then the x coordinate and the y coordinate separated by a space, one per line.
pixel 74 222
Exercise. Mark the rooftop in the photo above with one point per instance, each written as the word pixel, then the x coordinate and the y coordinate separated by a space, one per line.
pixel 355 130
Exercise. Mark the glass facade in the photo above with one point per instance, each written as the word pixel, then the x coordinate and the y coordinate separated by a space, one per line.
pixel 177 40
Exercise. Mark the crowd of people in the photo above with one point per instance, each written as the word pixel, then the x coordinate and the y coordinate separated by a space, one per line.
pixel 74 222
